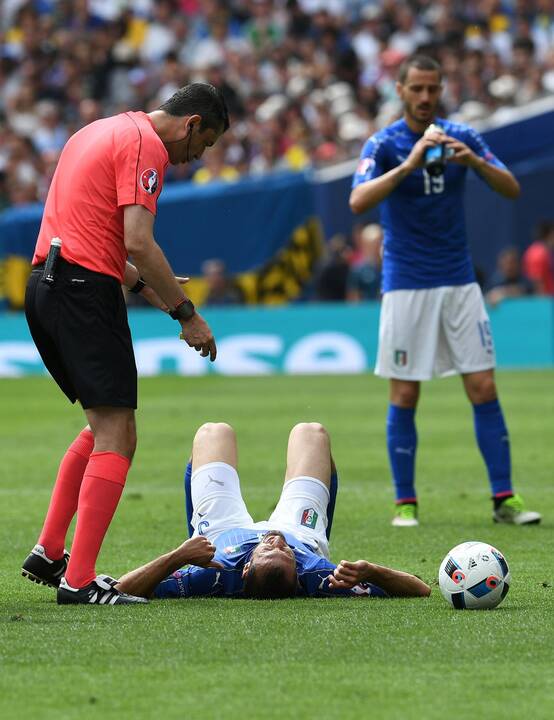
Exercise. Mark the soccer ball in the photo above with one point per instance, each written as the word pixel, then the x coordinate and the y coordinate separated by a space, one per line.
pixel 474 575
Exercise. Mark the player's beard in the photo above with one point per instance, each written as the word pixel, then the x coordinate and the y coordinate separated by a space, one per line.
pixel 422 116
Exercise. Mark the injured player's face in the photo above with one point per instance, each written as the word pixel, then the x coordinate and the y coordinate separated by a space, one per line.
pixel 274 549
pixel 275 540
pixel 271 571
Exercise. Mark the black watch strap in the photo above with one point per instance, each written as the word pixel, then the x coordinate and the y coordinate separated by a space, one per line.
pixel 137 287
pixel 183 311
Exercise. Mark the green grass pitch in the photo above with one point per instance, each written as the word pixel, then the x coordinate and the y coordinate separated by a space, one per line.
pixel 289 659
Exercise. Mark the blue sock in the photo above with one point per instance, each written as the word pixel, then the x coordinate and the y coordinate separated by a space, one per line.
pixel 188 498
pixel 402 446
pixel 333 487
pixel 494 444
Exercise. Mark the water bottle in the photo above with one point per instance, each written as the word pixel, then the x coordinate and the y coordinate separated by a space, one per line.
pixel 49 271
pixel 435 156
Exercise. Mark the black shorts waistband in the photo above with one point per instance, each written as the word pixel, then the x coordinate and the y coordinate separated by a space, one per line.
pixel 66 269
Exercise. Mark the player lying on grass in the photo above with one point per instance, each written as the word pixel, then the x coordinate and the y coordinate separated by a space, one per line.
pixel 284 556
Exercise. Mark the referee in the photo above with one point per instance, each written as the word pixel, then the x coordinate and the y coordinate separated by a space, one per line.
pixel 100 209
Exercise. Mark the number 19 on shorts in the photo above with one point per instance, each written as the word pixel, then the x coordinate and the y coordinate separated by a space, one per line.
pixel 485 334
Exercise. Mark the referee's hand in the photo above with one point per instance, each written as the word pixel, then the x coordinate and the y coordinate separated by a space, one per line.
pixel 197 334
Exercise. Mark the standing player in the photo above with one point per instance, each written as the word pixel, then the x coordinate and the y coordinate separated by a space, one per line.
pixel 433 319
pixel 102 204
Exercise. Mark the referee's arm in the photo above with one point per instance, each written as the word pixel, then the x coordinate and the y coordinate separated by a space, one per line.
pixel 148 256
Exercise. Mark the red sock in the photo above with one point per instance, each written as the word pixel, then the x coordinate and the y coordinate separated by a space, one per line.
pixel 100 492
pixel 63 503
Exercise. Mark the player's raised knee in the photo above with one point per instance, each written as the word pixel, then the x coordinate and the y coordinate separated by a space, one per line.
pixel 309 430
pixel 211 431
pixel 214 442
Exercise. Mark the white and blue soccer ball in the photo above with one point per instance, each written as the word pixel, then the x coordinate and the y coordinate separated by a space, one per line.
pixel 474 575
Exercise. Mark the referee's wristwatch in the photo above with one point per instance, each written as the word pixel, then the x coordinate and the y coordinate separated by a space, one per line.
pixel 184 310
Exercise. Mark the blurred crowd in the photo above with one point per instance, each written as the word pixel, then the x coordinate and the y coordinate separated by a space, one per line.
pixel 306 81
pixel 351 268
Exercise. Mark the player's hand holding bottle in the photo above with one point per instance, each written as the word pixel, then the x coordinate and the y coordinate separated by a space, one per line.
pixel 416 158
pixel 459 152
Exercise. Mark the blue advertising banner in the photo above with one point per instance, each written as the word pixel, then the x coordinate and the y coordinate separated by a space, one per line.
pixel 246 224
pixel 301 339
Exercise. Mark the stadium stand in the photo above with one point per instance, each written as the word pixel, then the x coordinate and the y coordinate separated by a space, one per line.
pixel 306 80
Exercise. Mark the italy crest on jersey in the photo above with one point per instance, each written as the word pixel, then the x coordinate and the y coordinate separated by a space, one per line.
pixel 309 518
pixel 232 549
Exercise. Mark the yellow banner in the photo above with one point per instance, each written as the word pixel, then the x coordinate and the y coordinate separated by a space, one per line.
pixel 282 278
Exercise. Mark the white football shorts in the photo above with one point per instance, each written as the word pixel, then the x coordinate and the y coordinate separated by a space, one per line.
pixel 218 506
pixel 434 332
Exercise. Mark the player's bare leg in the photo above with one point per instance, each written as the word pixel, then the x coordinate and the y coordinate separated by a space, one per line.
pixel 404 393
pixel 494 443
pixel 480 387
pixel 114 430
pixel 309 453
pixel 306 503
pixel 402 445
pixel 214 442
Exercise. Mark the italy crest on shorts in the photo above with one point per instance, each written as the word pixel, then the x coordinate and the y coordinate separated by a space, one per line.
pixel 149 181
pixel 400 358
pixel 309 518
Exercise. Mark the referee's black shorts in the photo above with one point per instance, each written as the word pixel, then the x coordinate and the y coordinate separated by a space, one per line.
pixel 79 325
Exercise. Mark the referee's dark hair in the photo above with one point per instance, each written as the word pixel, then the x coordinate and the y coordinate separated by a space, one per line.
pixel 273 583
pixel 420 62
pixel 199 99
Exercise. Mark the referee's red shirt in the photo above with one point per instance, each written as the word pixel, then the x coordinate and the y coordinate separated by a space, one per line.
pixel 106 165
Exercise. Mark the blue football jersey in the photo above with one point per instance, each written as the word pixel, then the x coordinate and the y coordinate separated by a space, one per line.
pixel 234 549
pixel 423 220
